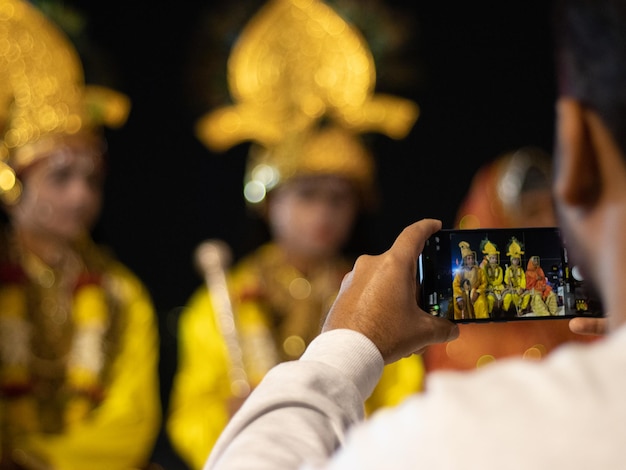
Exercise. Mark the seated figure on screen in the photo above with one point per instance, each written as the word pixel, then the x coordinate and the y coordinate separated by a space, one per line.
pixel 495 277
pixel 469 286
pixel 543 301
pixel 515 298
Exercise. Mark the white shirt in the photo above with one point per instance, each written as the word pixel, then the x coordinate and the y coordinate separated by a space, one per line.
pixel 565 412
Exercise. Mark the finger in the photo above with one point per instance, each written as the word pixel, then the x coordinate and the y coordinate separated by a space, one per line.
pixel 588 326
pixel 443 330
pixel 413 237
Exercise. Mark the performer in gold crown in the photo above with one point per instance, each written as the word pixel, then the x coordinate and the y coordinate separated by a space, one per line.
pixel 78 339
pixel 495 277
pixel 302 102
pixel 469 287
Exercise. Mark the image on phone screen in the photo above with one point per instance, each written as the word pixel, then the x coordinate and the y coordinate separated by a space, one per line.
pixel 483 275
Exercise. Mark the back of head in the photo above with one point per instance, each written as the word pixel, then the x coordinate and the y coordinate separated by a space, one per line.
pixel 591 58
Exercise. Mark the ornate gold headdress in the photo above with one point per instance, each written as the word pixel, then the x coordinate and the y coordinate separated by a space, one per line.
pixel 42 92
pixel 302 80
pixel 466 250
pixel 515 249
pixel 488 248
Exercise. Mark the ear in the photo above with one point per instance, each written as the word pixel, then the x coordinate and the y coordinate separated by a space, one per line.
pixel 578 178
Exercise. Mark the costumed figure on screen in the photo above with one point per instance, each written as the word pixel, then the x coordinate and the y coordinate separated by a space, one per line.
pixel 495 277
pixel 469 287
pixel 543 301
pixel 78 338
pixel 302 80
pixel 515 297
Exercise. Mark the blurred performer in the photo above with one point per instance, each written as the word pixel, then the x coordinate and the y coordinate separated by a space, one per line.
pixel 309 174
pixel 469 286
pixel 514 190
pixel 78 339
pixel 494 275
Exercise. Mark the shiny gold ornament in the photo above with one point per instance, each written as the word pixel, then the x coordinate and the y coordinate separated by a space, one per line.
pixel 329 150
pixel 301 75
pixel 514 249
pixel 42 92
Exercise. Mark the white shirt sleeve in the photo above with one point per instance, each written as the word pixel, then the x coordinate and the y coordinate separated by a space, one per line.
pixel 567 411
pixel 288 417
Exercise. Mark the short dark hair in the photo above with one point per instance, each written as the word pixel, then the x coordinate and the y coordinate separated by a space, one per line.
pixel 591 58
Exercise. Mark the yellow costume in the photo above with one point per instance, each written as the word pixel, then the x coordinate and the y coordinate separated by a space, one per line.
pixel 495 277
pixel 78 343
pixel 302 80
pixel 515 294
pixel 82 391
pixel 468 288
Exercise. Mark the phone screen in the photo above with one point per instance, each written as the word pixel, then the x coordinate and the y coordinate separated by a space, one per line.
pixel 485 275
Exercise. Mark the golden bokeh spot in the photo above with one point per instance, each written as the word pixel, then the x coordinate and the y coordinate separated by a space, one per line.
pixel 469 221
pixel 455 349
pixel 7 178
pixel 535 352
pixel 300 288
pixel 484 360
pixel 294 346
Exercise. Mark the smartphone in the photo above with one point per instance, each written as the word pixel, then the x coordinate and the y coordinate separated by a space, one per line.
pixel 487 275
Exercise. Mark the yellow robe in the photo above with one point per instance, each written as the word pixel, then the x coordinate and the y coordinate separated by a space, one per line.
pixel 201 392
pixel 114 432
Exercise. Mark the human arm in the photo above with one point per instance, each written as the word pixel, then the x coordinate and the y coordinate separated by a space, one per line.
pixel 303 409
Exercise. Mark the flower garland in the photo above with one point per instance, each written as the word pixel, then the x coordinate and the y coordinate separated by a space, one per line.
pixel 83 364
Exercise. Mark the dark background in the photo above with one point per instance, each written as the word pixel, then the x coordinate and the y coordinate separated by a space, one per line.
pixel 481 73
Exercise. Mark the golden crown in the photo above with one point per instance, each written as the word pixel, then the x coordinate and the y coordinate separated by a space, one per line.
pixel 299 73
pixel 43 93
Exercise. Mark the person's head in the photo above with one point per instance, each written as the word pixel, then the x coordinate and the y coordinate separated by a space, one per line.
pixel 513 190
pixel 492 255
pixel 590 184
pixel 51 140
pixel 514 251
pixel 61 190
pixel 533 263
pixel 311 188
pixel 468 256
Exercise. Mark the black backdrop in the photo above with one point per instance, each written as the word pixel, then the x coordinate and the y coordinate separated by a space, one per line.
pixel 481 72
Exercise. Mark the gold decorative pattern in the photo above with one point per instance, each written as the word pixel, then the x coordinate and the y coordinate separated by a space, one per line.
pixel 297 70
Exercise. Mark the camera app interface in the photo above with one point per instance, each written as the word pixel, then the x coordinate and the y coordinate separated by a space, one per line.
pixel 501 274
